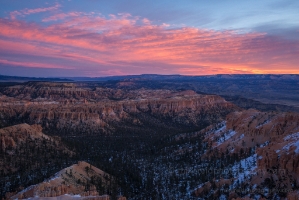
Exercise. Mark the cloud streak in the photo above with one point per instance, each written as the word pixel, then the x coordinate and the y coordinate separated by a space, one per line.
pixel 32 64
pixel 27 11
pixel 124 44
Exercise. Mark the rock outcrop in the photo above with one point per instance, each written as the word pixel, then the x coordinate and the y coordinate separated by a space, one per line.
pixel 70 183
pixel 11 136
pixel 67 106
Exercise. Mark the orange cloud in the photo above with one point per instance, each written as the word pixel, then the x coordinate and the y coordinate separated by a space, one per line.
pixel 126 44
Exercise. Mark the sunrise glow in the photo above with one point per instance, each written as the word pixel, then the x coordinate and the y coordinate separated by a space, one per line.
pixel 60 36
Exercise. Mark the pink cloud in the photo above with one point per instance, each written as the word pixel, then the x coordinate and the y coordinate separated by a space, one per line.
pixel 146 21
pixel 14 14
pixel 122 41
pixel 32 64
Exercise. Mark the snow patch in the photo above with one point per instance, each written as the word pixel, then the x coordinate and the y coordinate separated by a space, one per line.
pixel 266 122
pixel 265 144
pixel 221 129
pixel 292 136
pixel 248 118
pixel 226 136
pixel 76 195
pixel 296 144
pixel 243 169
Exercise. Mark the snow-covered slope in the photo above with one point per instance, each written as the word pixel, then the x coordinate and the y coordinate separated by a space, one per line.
pixel 257 154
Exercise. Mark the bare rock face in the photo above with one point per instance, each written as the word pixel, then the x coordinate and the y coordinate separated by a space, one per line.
pixel 11 136
pixel 255 123
pixel 69 183
pixel 48 90
pixel 71 93
pixel 63 106
pixel 252 128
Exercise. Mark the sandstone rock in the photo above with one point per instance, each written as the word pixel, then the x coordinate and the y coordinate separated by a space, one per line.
pixel 52 111
pixel 11 136
pixel 58 186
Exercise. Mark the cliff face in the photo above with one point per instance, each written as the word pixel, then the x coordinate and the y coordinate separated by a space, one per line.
pixel 11 136
pixel 119 110
pixel 78 92
pixel 47 90
pixel 69 107
pixel 254 123
pixel 275 134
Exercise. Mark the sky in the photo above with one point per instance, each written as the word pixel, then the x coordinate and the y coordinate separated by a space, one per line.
pixel 95 38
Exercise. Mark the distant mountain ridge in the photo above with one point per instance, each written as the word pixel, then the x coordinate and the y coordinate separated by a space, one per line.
pixel 187 77
pixel 274 89
pixel 5 78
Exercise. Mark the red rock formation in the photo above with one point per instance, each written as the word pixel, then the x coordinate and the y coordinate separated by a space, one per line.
pixel 11 136
pixel 96 114
pixel 65 184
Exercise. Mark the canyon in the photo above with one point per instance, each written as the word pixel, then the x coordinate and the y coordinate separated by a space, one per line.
pixel 69 108
pixel 136 138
